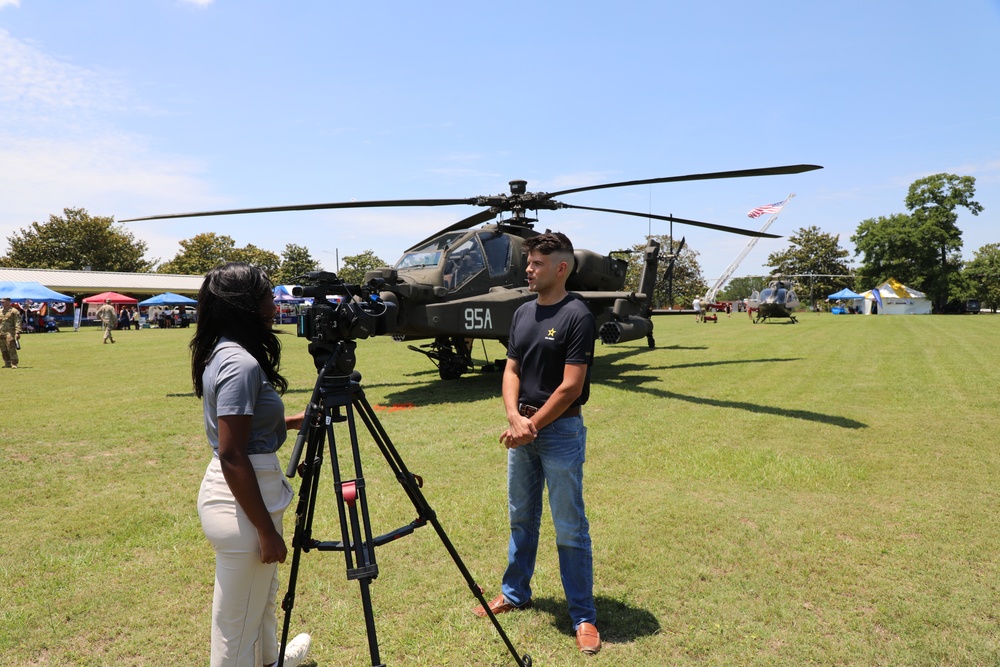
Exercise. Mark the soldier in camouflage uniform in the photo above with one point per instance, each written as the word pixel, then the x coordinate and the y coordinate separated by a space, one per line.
pixel 107 315
pixel 10 331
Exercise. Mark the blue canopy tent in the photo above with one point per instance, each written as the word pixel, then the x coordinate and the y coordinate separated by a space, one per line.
pixel 165 318
pixel 44 307
pixel 31 291
pixel 845 294
pixel 168 299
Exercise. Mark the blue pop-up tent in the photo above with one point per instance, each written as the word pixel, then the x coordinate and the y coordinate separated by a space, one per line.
pixel 845 294
pixel 168 299
pixel 33 291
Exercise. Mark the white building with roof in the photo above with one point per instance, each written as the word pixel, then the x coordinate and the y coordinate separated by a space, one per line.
pixel 86 283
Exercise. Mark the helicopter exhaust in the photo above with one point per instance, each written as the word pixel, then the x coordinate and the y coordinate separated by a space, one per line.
pixel 629 329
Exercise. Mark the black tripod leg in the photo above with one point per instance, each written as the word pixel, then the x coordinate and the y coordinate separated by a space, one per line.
pixel 356 534
pixel 304 512
pixel 425 511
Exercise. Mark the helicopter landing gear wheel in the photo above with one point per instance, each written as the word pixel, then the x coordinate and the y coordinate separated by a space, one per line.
pixel 451 355
pixel 454 357
pixel 450 369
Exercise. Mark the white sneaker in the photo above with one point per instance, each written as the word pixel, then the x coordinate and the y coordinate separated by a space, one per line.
pixel 297 650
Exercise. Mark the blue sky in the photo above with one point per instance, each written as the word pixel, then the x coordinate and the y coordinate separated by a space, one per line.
pixel 132 108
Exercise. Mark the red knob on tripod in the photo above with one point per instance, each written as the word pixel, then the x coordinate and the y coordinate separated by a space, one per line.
pixel 350 491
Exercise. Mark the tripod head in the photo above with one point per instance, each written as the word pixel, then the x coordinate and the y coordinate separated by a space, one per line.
pixel 336 377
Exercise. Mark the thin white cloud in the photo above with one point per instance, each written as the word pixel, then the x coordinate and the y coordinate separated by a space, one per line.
pixel 10 3
pixel 37 87
pixel 198 3
pixel 59 147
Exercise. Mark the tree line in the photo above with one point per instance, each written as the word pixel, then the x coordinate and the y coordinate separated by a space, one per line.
pixel 920 248
pixel 80 241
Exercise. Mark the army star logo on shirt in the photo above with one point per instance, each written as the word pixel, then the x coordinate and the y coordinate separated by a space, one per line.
pixel 551 335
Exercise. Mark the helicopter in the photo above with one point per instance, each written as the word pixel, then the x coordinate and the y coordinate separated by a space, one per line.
pixel 465 281
pixel 777 300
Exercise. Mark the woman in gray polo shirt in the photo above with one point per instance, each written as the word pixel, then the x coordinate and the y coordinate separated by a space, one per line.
pixel 235 357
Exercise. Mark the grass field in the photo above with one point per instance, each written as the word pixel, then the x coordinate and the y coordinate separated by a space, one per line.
pixel 822 493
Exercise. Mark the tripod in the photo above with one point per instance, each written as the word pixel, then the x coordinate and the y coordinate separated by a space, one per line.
pixel 337 397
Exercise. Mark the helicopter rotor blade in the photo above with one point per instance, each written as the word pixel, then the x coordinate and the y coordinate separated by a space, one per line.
pixel 387 203
pixel 471 221
pixel 740 173
pixel 670 218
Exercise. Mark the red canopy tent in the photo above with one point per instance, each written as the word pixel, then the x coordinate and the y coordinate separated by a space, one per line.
pixel 116 299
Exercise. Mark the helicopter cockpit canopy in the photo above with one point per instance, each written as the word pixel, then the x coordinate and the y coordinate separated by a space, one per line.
pixel 484 250
pixel 462 256
pixel 428 254
pixel 463 262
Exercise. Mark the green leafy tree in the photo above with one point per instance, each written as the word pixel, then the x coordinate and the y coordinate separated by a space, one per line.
pixel 265 260
pixel 888 244
pixel 688 281
pixel 77 241
pixel 205 251
pixel 295 261
pixel 982 274
pixel 354 267
pixel 817 255
pixel 741 288
pixel 932 202
pixel 923 248
pixel 200 253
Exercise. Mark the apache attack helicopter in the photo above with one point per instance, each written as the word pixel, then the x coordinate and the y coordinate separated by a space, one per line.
pixel 777 300
pixel 462 283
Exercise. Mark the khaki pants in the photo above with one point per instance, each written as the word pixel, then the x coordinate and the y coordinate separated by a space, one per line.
pixel 244 620
pixel 8 346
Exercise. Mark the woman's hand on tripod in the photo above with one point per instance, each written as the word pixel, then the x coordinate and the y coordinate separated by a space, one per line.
pixel 294 422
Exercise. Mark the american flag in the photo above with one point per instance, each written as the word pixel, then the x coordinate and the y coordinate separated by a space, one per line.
pixel 770 208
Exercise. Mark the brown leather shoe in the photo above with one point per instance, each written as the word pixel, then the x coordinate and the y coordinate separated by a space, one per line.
pixel 500 605
pixel 588 639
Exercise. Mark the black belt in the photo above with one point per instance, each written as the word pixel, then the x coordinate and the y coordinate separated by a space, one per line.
pixel 529 410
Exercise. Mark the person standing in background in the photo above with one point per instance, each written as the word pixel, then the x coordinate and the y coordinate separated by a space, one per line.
pixel 106 314
pixel 10 332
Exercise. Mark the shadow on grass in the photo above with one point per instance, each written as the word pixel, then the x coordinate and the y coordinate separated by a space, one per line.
pixel 620 376
pixel 468 389
pixel 424 388
pixel 616 621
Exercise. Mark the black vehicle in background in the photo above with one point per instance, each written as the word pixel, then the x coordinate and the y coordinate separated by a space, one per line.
pixel 957 307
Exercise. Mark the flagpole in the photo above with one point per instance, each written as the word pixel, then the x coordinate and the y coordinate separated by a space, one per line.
pixel 731 269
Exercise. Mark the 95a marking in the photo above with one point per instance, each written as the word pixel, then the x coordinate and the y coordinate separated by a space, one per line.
pixel 478 318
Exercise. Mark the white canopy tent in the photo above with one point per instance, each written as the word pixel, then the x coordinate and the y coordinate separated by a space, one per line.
pixel 896 299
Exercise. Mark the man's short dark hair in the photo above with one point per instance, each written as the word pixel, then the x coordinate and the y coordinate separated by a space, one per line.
pixel 549 243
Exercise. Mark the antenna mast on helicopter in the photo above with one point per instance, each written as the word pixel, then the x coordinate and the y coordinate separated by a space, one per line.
pixel 731 269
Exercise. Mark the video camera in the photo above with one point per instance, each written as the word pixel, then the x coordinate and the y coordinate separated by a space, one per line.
pixel 355 311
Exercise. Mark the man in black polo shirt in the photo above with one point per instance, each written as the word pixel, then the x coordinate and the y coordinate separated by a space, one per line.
pixel 546 380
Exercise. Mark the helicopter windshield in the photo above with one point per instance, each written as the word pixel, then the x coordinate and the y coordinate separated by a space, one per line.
pixel 463 262
pixel 428 254
pixel 498 251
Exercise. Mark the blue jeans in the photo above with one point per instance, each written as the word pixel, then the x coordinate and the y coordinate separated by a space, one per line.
pixel 554 458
